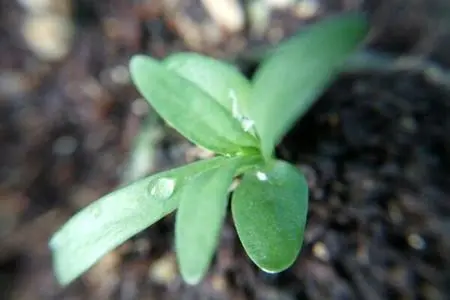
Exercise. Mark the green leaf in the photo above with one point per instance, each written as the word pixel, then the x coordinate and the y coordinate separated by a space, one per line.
pixel 269 209
pixel 296 73
pixel 189 109
pixel 220 80
pixel 114 218
pixel 199 221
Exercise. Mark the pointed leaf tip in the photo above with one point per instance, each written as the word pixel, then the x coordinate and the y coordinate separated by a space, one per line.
pixel 135 62
pixel 114 218
pixel 298 71
pixel 200 217
pixel 188 108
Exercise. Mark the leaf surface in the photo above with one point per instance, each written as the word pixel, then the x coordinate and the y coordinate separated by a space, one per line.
pixel 220 80
pixel 189 109
pixel 297 72
pixel 199 221
pixel 269 210
pixel 114 218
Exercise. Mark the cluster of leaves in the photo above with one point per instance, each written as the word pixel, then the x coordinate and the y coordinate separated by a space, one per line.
pixel 213 105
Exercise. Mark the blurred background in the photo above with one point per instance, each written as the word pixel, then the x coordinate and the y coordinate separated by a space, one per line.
pixel 375 148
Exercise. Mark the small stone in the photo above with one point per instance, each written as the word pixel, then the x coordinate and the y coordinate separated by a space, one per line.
pixel 259 18
pixel 227 13
pixel 218 283
pixel 120 74
pixel 139 107
pixel 416 241
pixel 142 246
pixel 395 213
pixel 280 4
pixel 306 9
pixel 189 31
pixel 48 36
pixel 164 270
pixel 320 251
pixel 65 146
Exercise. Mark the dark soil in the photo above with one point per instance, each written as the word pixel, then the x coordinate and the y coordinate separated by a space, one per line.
pixel 375 149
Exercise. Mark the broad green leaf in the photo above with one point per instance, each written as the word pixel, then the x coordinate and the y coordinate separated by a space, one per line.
pixel 114 218
pixel 189 109
pixel 269 209
pixel 296 73
pixel 220 80
pixel 199 220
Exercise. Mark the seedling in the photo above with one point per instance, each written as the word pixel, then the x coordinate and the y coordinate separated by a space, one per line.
pixel 213 105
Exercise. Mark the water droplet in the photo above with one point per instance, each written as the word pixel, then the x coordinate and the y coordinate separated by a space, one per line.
pixel 416 241
pixel 262 176
pixel 162 188
pixel 246 124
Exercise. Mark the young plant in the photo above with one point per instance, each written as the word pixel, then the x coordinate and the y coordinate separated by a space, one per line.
pixel 217 108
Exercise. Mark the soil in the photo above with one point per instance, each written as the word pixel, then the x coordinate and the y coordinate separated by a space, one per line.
pixel 375 149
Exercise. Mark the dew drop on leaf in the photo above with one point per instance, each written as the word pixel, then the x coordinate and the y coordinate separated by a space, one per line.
pixel 261 176
pixel 246 123
pixel 162 188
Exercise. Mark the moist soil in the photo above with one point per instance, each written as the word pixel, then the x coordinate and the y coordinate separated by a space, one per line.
pixel 375 149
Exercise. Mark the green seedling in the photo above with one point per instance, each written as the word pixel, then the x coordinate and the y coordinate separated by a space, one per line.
pixel 214 106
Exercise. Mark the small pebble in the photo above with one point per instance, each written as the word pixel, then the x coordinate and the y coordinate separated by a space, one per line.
pixel 139 107
pixel 219 284
pixel 306 9
pixel 395 213
pixel 142 246
pixel 164 270
pixel 65 145
pixel 280 4
pixel 120 74
pixel 321 252
pixel 48 36
pixel 259 18
pixel 227 13
pixel 416 241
